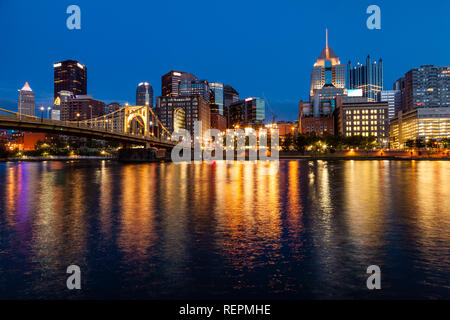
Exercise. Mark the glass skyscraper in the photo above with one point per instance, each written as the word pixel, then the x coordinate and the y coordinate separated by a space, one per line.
pixel 218 90
pixel 144 94
pixel 367 77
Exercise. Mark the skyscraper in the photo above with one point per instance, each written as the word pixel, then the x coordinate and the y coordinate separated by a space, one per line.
pixel 144 94
pixel 230 95
pixel 218 90
pixel 70 76
pixel 170 81
pixel 427 86
pixel 367 77
pixel 181 112
pixel 327 72
pixel 393 98
pixel 247 112
pixel 26 100
pixel 195 87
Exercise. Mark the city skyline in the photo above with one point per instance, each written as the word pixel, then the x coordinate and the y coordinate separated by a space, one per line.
pixel 352 40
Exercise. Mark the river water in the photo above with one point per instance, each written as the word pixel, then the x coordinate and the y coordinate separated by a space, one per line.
pixel 303 230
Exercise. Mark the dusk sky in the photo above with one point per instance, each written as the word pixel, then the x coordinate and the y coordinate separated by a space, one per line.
pixel 261 48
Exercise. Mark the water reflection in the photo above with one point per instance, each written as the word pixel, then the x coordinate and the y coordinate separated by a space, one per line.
pixel 308 230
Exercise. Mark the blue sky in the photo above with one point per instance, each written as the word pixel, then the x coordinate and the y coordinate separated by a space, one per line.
pixel 261 48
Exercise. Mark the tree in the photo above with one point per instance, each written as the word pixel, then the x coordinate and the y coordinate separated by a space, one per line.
pixel 300 143
pixel 287 142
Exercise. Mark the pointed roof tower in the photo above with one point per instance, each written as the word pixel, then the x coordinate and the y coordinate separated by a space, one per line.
pixel 327 54
pixel 26 87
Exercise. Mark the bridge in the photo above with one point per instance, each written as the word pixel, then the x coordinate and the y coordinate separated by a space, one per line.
pixel 136 125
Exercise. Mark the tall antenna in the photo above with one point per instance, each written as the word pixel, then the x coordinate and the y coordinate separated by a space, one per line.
pixel 326 44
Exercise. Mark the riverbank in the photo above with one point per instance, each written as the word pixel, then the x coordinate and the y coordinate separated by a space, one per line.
pixel 57 158
pixel 369 155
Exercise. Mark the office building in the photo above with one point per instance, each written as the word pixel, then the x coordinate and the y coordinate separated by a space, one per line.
pixel 70 75
pixel 144 94
pixel 420 123
pixel 393 98
pixel 249 112
pixel 218 121
pixel 425 87
pixel 367 77
pixel 316 117
pixel 170 82
pixel 111 107
pixel 327 71
pixel 83 107
pixel 26 104
pixel 356 118
pixel 181 112
pixel 217 103
pixel 230 95
pixel 195 87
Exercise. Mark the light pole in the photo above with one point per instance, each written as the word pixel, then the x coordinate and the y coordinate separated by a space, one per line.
pixel 48 112
pixel 42 114
pixel 78 119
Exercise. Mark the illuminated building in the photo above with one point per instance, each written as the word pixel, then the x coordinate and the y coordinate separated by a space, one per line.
pixel 393 98
pixel 327 72
pixel 195 87
pixel 70 76
pixel 218 121
pixel 367 77
pixel 230 95
pixel 84 105
pixel 420 123
pixel 144 94
pixel 317 117
pixel 170 82
pixel 247 112
pixel 113 106
pixel 217 104
pixel 354 117
pixel 427 86
pixel 26 103
pixel 181 112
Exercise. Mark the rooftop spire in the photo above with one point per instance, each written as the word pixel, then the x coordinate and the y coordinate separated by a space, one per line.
pixel 26 87
pixel 326 44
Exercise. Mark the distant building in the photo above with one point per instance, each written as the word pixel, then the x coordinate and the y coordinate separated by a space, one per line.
pixel 181 112
pixel 419 123
pixel 356 118
pixel 427 86
pixel 30 139
pixel 144 94
pixel 218 101
pixel 316 117
pixel 286 127
pixel 111 107
pixel 249 112
pixel 195 87
pixel 327 72
pixel 70 75
pixel 170 81
pixel 84 107
pixel 367 77
pixel 393 98
pixel 230 95
pixel 26 103
pixel 218 121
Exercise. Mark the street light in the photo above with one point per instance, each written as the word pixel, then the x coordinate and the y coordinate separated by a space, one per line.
pixel 78 119
pixel 42 114
pixel 48 112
